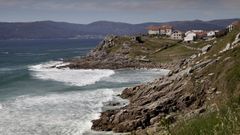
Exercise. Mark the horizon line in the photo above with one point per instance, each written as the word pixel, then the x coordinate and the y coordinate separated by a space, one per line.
pixel 56 21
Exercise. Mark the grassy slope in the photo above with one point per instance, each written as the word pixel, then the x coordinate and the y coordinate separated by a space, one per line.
pixel 169 50
pixel 225 119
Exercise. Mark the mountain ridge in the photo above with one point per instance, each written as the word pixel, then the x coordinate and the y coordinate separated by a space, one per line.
pixel 51 30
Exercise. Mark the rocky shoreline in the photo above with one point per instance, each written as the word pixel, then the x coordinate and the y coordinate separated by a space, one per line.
pixel 101 58
pixel 149 103
pixel 182 94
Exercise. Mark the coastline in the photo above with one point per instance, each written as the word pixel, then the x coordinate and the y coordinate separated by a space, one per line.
pixel 100 58
pixel 183 94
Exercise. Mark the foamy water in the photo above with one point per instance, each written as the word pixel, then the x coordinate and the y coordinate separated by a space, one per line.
pixel 54 114
pixel 79 77
pixel 68 112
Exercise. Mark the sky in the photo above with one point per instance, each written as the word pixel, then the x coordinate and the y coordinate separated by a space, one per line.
pixel 130 11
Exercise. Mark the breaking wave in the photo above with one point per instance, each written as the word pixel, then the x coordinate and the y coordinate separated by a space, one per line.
pixel 65 114
pixel 80 77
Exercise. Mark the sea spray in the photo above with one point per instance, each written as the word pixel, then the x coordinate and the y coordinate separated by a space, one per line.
pixel 77 77
pixel 66 113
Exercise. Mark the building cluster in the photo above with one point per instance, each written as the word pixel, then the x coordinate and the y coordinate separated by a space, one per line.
pixel 188 36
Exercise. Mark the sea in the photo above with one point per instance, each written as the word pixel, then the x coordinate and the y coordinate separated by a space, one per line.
pixel 38 100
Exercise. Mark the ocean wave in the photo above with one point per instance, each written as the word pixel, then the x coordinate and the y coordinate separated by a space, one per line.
pixel 136 75
pixel 66 114
pixel 79 77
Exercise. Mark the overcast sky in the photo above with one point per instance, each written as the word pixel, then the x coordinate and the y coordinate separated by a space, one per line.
pixel 131 11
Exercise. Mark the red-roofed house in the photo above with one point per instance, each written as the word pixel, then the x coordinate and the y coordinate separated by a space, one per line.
pixel 153 30
pixel 160 30
pixel 166 30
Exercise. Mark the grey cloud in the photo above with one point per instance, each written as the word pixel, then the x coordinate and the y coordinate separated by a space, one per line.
pixel 120 5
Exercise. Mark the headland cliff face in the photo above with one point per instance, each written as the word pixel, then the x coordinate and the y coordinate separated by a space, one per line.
pixel 198 84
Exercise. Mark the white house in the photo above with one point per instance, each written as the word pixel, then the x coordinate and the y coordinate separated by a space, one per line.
pixel 166 30
pixel 153 30
pixel 160 30
pixel 177 35
pixel 230 27
pixel 190 36
pixel 212 33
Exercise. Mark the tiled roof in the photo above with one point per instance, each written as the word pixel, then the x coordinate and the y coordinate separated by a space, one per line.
pixel 236 23
pixel 162 27
pixel 166 26
pixel 153 27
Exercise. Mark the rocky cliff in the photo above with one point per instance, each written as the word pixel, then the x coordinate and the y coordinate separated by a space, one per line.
pixel 116 52
pixel 196 85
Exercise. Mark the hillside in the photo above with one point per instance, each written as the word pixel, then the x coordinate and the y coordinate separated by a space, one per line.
pixel 51 30
pixel 116 52
pixel 200 95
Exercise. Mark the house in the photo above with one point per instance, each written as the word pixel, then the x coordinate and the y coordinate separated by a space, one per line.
pixel 190 36
pixel 160 30
pixel 201 35
pixel 177 35
pixel 211 34
pixel 236 24
pixel 153 30
pixel 166 30
pixel 230 27
pixel 221 33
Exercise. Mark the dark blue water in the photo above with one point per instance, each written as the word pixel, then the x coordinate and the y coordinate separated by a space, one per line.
pixel 17 55
pixel 36 99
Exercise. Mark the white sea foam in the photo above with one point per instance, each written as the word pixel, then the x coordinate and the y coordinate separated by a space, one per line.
pixel 140 75
pixel 65 114
pixel 79 77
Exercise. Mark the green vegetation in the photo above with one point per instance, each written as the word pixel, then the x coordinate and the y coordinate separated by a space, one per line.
pixel 222 116
pixel 225 116
pixel 222 122
pixel 156 49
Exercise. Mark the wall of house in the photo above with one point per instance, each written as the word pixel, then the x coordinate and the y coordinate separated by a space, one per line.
pixel 177 36
pixel 169 32
pixel 153 32
pixel 190 37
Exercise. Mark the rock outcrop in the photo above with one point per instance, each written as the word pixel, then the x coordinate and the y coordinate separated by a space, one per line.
pixel 111 54
pixel 165 98
pixel 182 94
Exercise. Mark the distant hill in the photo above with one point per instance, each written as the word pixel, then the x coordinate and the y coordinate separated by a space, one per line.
pixel 51 30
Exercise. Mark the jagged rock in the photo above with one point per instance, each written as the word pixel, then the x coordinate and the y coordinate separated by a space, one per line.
pixel 237 39
pixel 228 47
pixel 193 56
pixel 218 92
pixel 211 74
pixel 126 45
pixel 206 48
